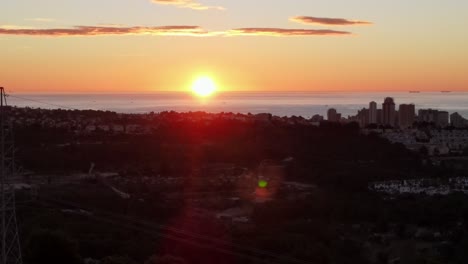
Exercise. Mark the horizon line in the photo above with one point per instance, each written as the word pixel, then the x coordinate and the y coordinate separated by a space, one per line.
pixel 228 92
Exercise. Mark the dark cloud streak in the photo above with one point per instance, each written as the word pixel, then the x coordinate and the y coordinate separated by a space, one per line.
pixel 328 21
pixel 166 31
pixel 282 32
pixel 101 30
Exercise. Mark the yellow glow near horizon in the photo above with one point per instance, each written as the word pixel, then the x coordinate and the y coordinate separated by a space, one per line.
pixel 204 86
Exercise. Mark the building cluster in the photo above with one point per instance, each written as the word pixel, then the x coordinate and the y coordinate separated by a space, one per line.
pixel 434 142
pixel 95 122
pixel 90 122
pixel 428 186
pixel 402 117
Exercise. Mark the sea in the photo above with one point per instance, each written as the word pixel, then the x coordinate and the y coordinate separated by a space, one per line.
pixel 304 104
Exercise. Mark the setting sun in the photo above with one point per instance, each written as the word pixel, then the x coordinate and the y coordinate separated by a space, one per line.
pixel 204 86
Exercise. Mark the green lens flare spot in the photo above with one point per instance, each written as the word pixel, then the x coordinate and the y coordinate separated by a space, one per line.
pixel 262 184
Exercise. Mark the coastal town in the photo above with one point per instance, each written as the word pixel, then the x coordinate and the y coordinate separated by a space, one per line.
pixel 435 132
pixel 233 132
pixel 237 178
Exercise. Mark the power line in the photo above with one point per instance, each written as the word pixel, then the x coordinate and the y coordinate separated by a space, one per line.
pixel 43 102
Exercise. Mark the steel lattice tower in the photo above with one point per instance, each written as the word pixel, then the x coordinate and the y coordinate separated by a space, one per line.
pixel 10 251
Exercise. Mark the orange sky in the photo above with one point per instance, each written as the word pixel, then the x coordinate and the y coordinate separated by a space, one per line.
pixel 144 46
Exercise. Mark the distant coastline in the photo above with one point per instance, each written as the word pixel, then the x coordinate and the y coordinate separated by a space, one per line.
pixel 304 104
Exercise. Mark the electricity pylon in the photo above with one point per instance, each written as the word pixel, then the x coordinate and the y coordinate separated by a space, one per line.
pixel 10 251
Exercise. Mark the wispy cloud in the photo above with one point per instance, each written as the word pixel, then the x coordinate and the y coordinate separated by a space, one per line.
pixel 101 30
pixel 282 32
pixel 328 21
pixel 195 31
pixel 40 19
pixel 11 27
pixel 192 4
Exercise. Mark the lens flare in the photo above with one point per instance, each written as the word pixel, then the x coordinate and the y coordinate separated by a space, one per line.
pixel 262 184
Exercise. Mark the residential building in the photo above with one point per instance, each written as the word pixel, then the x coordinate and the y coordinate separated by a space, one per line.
pixel 436 117
pixel 333 116
pixel 406 115
pixel 372 112
pixel 363 117
pixel 458 121
pixel 388 108
pixel 442 119
pixel 317 118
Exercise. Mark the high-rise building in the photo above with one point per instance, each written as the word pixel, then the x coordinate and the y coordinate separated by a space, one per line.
pixel 406 115
pixel 388 111
pixel 427 115
pixel 442 119
pixel 372 113
pixel 363 117
pixel 332 115
pixel 436 117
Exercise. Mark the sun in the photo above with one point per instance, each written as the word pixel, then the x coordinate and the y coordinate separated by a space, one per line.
pixel 204 86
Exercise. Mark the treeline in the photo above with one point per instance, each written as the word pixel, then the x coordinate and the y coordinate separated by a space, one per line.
pixel 319 153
